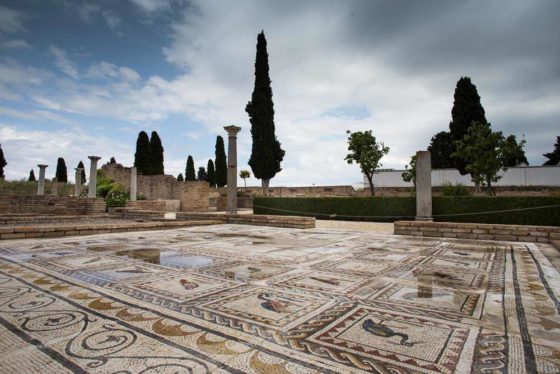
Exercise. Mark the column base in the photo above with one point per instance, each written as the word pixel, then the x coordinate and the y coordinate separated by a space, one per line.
pixel 425 219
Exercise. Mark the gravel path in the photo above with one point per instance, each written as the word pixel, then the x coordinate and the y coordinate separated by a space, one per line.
pixel 378 227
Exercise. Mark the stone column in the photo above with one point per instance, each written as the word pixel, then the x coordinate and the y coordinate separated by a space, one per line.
pixel 78 186
pixel 133 183
pixel 93 176
pixel 54 187
pixel 41 184
pixel 232 169
pixel 423 186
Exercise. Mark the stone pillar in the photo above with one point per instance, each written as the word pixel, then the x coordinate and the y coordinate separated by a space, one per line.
pixel 54 187
pixel 133 183
pixel 78 178
pixel 232 169
pixel 93 176
pixel 41 184
pixel 423 186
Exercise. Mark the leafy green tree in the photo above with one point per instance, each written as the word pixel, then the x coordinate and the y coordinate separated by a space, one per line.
pixel 514 153
pixel 180 177
pixel 553 157
pixel 157 154
pixel 221 163
pixel 441 147
pixel 189 170
pixel 32 176
pixel 409 175
pixel 466 110
pixel 366 152
pixel 201 175
pixel 81 166
pixel 3 163
pixel 211 174
pixel 143 155
pixel 266 152
pixel 244 174
pixel 61 171
pixel 483 151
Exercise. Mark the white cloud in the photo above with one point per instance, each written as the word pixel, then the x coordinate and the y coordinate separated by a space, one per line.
pixel 88 12
pixel 63 62
pixel 111 19
pixel 16 44
pixel 24 149
pixel 151 5
pixel 11 21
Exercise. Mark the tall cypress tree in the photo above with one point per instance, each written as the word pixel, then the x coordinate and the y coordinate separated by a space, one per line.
pixel 81 165
pixel 221 162
pixel 143 155
pixel 554 156
pixel 266 153
pixel 32 176
pixel 3 163
pixel 180 177
pixel 211 174
pixel 157 153
pixel 189 171
pixel 466 110
pixel 441 147
pixel 201 175
pixel 61 171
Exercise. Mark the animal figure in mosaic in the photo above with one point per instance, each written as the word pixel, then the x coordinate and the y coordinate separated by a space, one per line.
pixel 277 304
pixel 379 329
pixel 188 285
pixel 461 253
pixel 444 275
pixel 95 259
pixel 253 269
pixel 332 281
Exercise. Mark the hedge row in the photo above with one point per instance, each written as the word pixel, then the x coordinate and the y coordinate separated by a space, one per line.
pixel 505 210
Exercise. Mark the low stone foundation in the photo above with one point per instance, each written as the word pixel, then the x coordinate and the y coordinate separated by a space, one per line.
pixel 254 219
pixel 56 205
pixel 155 205
pixel 514 233
pixel 24 232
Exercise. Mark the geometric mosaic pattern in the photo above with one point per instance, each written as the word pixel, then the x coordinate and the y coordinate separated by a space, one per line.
pixel 245 299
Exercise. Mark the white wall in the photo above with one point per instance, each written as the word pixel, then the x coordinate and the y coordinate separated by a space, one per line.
pixel 515 176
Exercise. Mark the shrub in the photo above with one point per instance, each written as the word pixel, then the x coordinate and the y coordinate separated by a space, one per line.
pixel 478 209
pixel 116 197
pixel 104 184
pixel 458 189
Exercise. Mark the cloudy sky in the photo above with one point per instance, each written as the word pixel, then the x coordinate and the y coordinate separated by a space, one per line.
pixel 81 78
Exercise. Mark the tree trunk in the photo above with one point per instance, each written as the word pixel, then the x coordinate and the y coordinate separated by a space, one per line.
pixel 245 181
pixel 265 183
pixel 490 190
pixel 370 180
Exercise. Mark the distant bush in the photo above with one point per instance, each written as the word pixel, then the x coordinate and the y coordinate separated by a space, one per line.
pixel 104 184
pixel 25 188
pixel 117 196
pixel 458 189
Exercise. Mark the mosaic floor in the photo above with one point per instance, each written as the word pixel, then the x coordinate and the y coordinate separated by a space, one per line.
pixel 245 299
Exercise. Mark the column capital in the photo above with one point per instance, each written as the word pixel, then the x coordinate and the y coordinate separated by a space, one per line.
pixel 78 169
pixel 42 166
pixel 232 130
pixel 94 158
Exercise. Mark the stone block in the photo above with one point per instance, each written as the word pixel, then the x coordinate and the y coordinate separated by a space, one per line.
pixel 509 238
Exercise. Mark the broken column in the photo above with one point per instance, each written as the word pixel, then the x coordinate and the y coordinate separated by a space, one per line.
pixel 54 187
pixel 92 187
pixel 78 177
pixel 423 186
pixel 41 184
pixel 133 182
pixel 232 169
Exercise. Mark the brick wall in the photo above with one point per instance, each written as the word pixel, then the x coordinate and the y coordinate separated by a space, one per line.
pixel 193 195
pixel 154 205
pixel 521 233
pixel 254 219
pixel 57 205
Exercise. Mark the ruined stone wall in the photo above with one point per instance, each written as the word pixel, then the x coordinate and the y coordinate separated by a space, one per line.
pixel 56 205
pixel 193 195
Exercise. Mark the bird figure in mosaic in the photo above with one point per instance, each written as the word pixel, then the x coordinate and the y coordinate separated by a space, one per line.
pixel 444 275
pixel 274 303
pixel 188 285
pixel 379 329
pixel 253 269
pixel 461 253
